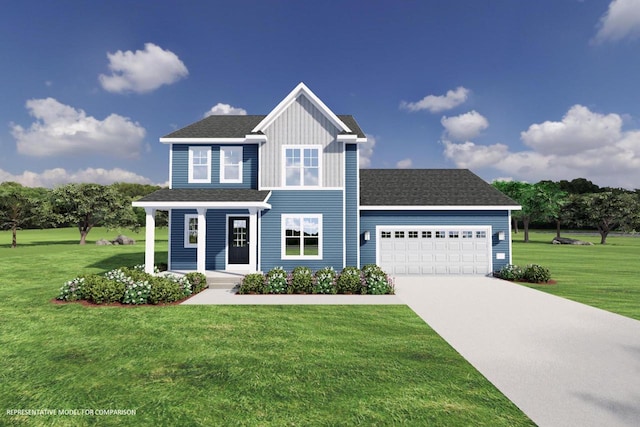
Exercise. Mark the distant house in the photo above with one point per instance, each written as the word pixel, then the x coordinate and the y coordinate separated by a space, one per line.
pixel 248 193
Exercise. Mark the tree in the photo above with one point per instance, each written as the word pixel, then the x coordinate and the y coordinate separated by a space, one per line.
pixel 605 211
pixel 89 205
pixel 578 186
pixel 19 206
pixel 514 190
pixel 551 201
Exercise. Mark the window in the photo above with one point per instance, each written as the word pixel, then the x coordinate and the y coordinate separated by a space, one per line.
pixel 481 234
pixel 385 234
pixel 302 236
pixel 191 231
pixel 426 234
pixel 440 234
pixel 302 166
pixel 399 234
pixel 467 234
pixel 199 164
pixel 230 164
pixel 413 234
pixel 454 234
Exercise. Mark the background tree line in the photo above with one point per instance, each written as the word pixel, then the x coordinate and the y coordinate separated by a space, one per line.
pixel 74 205
pixel 577 204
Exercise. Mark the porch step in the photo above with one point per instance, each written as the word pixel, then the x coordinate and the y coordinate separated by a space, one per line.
pixel 224 280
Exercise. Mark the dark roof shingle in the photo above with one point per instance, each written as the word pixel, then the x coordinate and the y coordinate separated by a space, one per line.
pixel 205 195
pixel 427 187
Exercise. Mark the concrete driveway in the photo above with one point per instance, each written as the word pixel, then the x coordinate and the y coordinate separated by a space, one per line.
pixel 561 362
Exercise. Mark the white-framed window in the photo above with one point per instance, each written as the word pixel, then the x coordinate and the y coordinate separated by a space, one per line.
pixel 301 166
pixel 199 164
pixel 385 234
pixel 467 234
pixel 481 234
pixel 230 164
pixel 191 231
pixel 413 234
pixel 302 236
pixel 399 234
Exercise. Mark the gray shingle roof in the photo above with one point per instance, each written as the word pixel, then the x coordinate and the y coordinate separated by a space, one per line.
pixel 205 195
pixel 238 127
pixel 427 187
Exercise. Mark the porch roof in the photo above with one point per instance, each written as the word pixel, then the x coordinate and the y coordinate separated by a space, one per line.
pixel 213 198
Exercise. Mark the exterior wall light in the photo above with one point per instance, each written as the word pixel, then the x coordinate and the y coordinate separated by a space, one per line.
pixel 367 235
pixel 501 235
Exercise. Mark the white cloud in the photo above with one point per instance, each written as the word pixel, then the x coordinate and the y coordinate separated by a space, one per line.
pixel 365 150
pixel 404 164
pixel 437 104
pixel 584 144
pixel 621 21
pixel 58 176
pixel 143 70
pixel 465 126
pixel 63 130
pixel 221 109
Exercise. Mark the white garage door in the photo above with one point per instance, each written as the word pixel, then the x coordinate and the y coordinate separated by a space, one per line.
pixel 434 250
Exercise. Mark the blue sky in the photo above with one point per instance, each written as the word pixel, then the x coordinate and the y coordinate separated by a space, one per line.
pixel 527 90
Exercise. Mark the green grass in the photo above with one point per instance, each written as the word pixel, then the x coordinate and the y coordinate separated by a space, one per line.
pixel 603 276
pixel 218 365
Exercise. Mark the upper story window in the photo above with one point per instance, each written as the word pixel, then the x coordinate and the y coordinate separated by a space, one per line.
pixel 230 164
pixel 199 164
pixel 302 166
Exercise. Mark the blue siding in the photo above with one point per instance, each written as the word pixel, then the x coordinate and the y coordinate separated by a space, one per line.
pixel 498 220
pixel 186 258
pixel 352 238
pixel 180 165
pixel 326 202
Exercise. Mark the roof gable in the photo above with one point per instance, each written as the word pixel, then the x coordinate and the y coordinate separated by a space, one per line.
pixel 298 91
pixel 428 187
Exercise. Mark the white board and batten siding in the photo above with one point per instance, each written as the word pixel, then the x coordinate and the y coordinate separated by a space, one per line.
pixel 301 124
pixel 434 250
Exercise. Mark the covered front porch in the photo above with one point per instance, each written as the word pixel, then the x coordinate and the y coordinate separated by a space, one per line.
pixel 209 229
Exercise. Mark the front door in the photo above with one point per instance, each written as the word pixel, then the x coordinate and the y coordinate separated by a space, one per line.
pixel 238 240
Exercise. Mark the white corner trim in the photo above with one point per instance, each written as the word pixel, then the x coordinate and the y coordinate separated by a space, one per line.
pixel 438 208
pixel 301 89
pixel 170 166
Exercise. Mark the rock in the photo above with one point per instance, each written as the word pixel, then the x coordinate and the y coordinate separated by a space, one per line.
pixel 103 242
pixel 123 240
pixel 568 241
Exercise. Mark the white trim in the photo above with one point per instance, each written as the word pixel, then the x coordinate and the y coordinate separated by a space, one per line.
pixel 439 208
pixel 237 267
pixel 259 170
pixel 190 165
pixel 224 180
pixel 170 166
pixel 258 242
pixel 487 228
pixel 344 206
pixel 302 147
pixel 201 250
pixel 301 89
pixel 186 243
pixel 510 241
pixel 358 203
pixel 303 188
pixel 283 246
pixel 150 240
pixel 169 242
pixel 208 205
pixel 248 139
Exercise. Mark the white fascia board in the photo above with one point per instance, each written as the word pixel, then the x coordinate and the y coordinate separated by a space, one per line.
pixel 266 199
pixel 347 138
pixel 208 205
pixel 212 140
pixel 301 89
pixel 439 208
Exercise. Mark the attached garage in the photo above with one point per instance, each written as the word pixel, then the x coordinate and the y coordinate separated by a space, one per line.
pixel 433 222
pixel 434 250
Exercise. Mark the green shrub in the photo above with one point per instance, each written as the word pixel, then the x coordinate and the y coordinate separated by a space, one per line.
pixel 198 281
pixel 137 293
pixel 376 281
pixel 535 273
pixel 136 274
pixel 276 281
pixel 325 281
pixel 301 280
pixel 165 290
pixel 252 283
pixel 73 290
pixel 511 272
pixel 350 281
pixel 101 290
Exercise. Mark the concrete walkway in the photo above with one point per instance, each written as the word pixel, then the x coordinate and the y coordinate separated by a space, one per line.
pixel 561 362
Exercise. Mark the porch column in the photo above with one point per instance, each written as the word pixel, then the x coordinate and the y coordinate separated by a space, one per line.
pixel 150 240
pixel 202 239
pixel 253 239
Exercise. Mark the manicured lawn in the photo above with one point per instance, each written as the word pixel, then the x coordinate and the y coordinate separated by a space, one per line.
pixel 218 365
pixel 603 276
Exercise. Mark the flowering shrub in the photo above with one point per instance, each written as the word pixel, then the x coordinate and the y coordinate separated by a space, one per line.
pixel 535 273
pixel 198 281
pixel 376 281
pixel 350 281
pixel 301 280
pixel 140 267
pixel 165 290
pixel 276 281
pixel 72 290
pixel 137 293
pixel 325 281
pixel 510 272
pixel 252 283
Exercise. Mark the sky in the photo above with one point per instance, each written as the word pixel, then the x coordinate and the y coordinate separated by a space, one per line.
pixel 523 90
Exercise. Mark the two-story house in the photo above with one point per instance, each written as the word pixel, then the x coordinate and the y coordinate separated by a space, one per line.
pixel 248 193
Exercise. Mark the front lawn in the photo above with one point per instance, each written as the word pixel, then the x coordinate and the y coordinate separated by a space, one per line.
pixel 603 276
pixel 217 365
